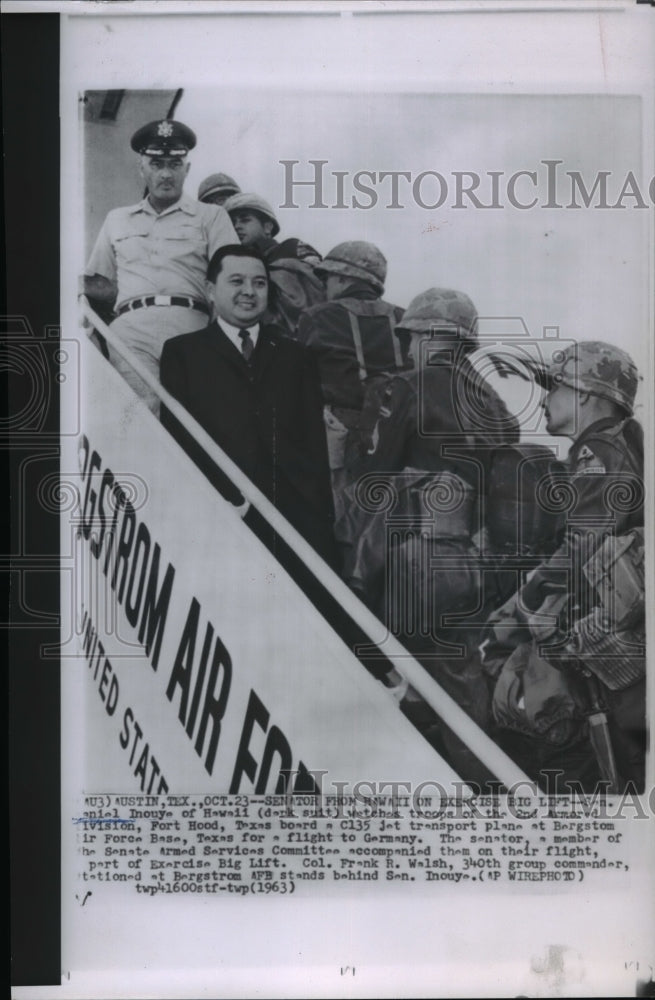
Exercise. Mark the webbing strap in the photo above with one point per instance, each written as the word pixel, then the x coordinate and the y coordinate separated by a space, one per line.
pixel 359 350
pixel 357 340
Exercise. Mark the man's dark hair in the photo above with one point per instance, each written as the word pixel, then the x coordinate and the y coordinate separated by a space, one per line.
pixel 232 250
pixel 244 210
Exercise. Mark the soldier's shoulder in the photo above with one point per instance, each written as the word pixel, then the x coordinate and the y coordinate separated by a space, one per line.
pixel 618 436
pixel 610 448
pixel 296 249
pixel 381 307
pixel 324 310
pixel 591 458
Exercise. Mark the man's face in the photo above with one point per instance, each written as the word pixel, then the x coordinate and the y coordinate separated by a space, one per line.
pixel 240 291
pixel 164 177
pixel 560 407
pixel 250 227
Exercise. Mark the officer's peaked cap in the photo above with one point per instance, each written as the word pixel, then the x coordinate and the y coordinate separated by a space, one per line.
pixel 163 138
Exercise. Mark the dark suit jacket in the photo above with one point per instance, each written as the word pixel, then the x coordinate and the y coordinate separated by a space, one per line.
pixel 267 416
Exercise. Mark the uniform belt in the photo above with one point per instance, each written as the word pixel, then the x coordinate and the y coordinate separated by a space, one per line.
pixel 164 300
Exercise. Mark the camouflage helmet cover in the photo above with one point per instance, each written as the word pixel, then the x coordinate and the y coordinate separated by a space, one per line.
pixel 356 259
pixel 595 367
pixel 252 202
pixel 441 307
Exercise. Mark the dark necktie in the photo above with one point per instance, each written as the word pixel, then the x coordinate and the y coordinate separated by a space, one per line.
pixel 247 346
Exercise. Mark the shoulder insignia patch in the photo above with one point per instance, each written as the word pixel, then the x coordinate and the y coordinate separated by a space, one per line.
pixel 587 463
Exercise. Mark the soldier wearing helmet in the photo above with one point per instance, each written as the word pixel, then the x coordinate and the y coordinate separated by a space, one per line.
pixel 291 262
pixel 598 380
pixel 150 259
pixel 217 188
pixel 574 608
pixel 354 259
pixel 443 394
pixel 356 344
pixel 253 218
pixel 256 225
pixel 418 563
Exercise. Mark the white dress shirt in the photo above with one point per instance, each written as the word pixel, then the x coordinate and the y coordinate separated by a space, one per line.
pixel 233 333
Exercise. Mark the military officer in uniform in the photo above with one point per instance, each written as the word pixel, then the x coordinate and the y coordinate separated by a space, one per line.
pixel 570 644
pixel 355 340
pixel 150 259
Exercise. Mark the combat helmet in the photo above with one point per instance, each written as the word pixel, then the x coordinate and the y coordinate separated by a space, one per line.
pixel 254 203
pixel 356 259
pixel 221 184
pixel 441 307
pixel 595 367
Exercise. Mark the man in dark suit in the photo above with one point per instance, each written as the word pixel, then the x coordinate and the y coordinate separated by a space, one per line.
pixel 259 397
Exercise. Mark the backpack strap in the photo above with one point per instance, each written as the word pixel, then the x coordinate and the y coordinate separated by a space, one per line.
pixel 357 339
pixel 634 435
